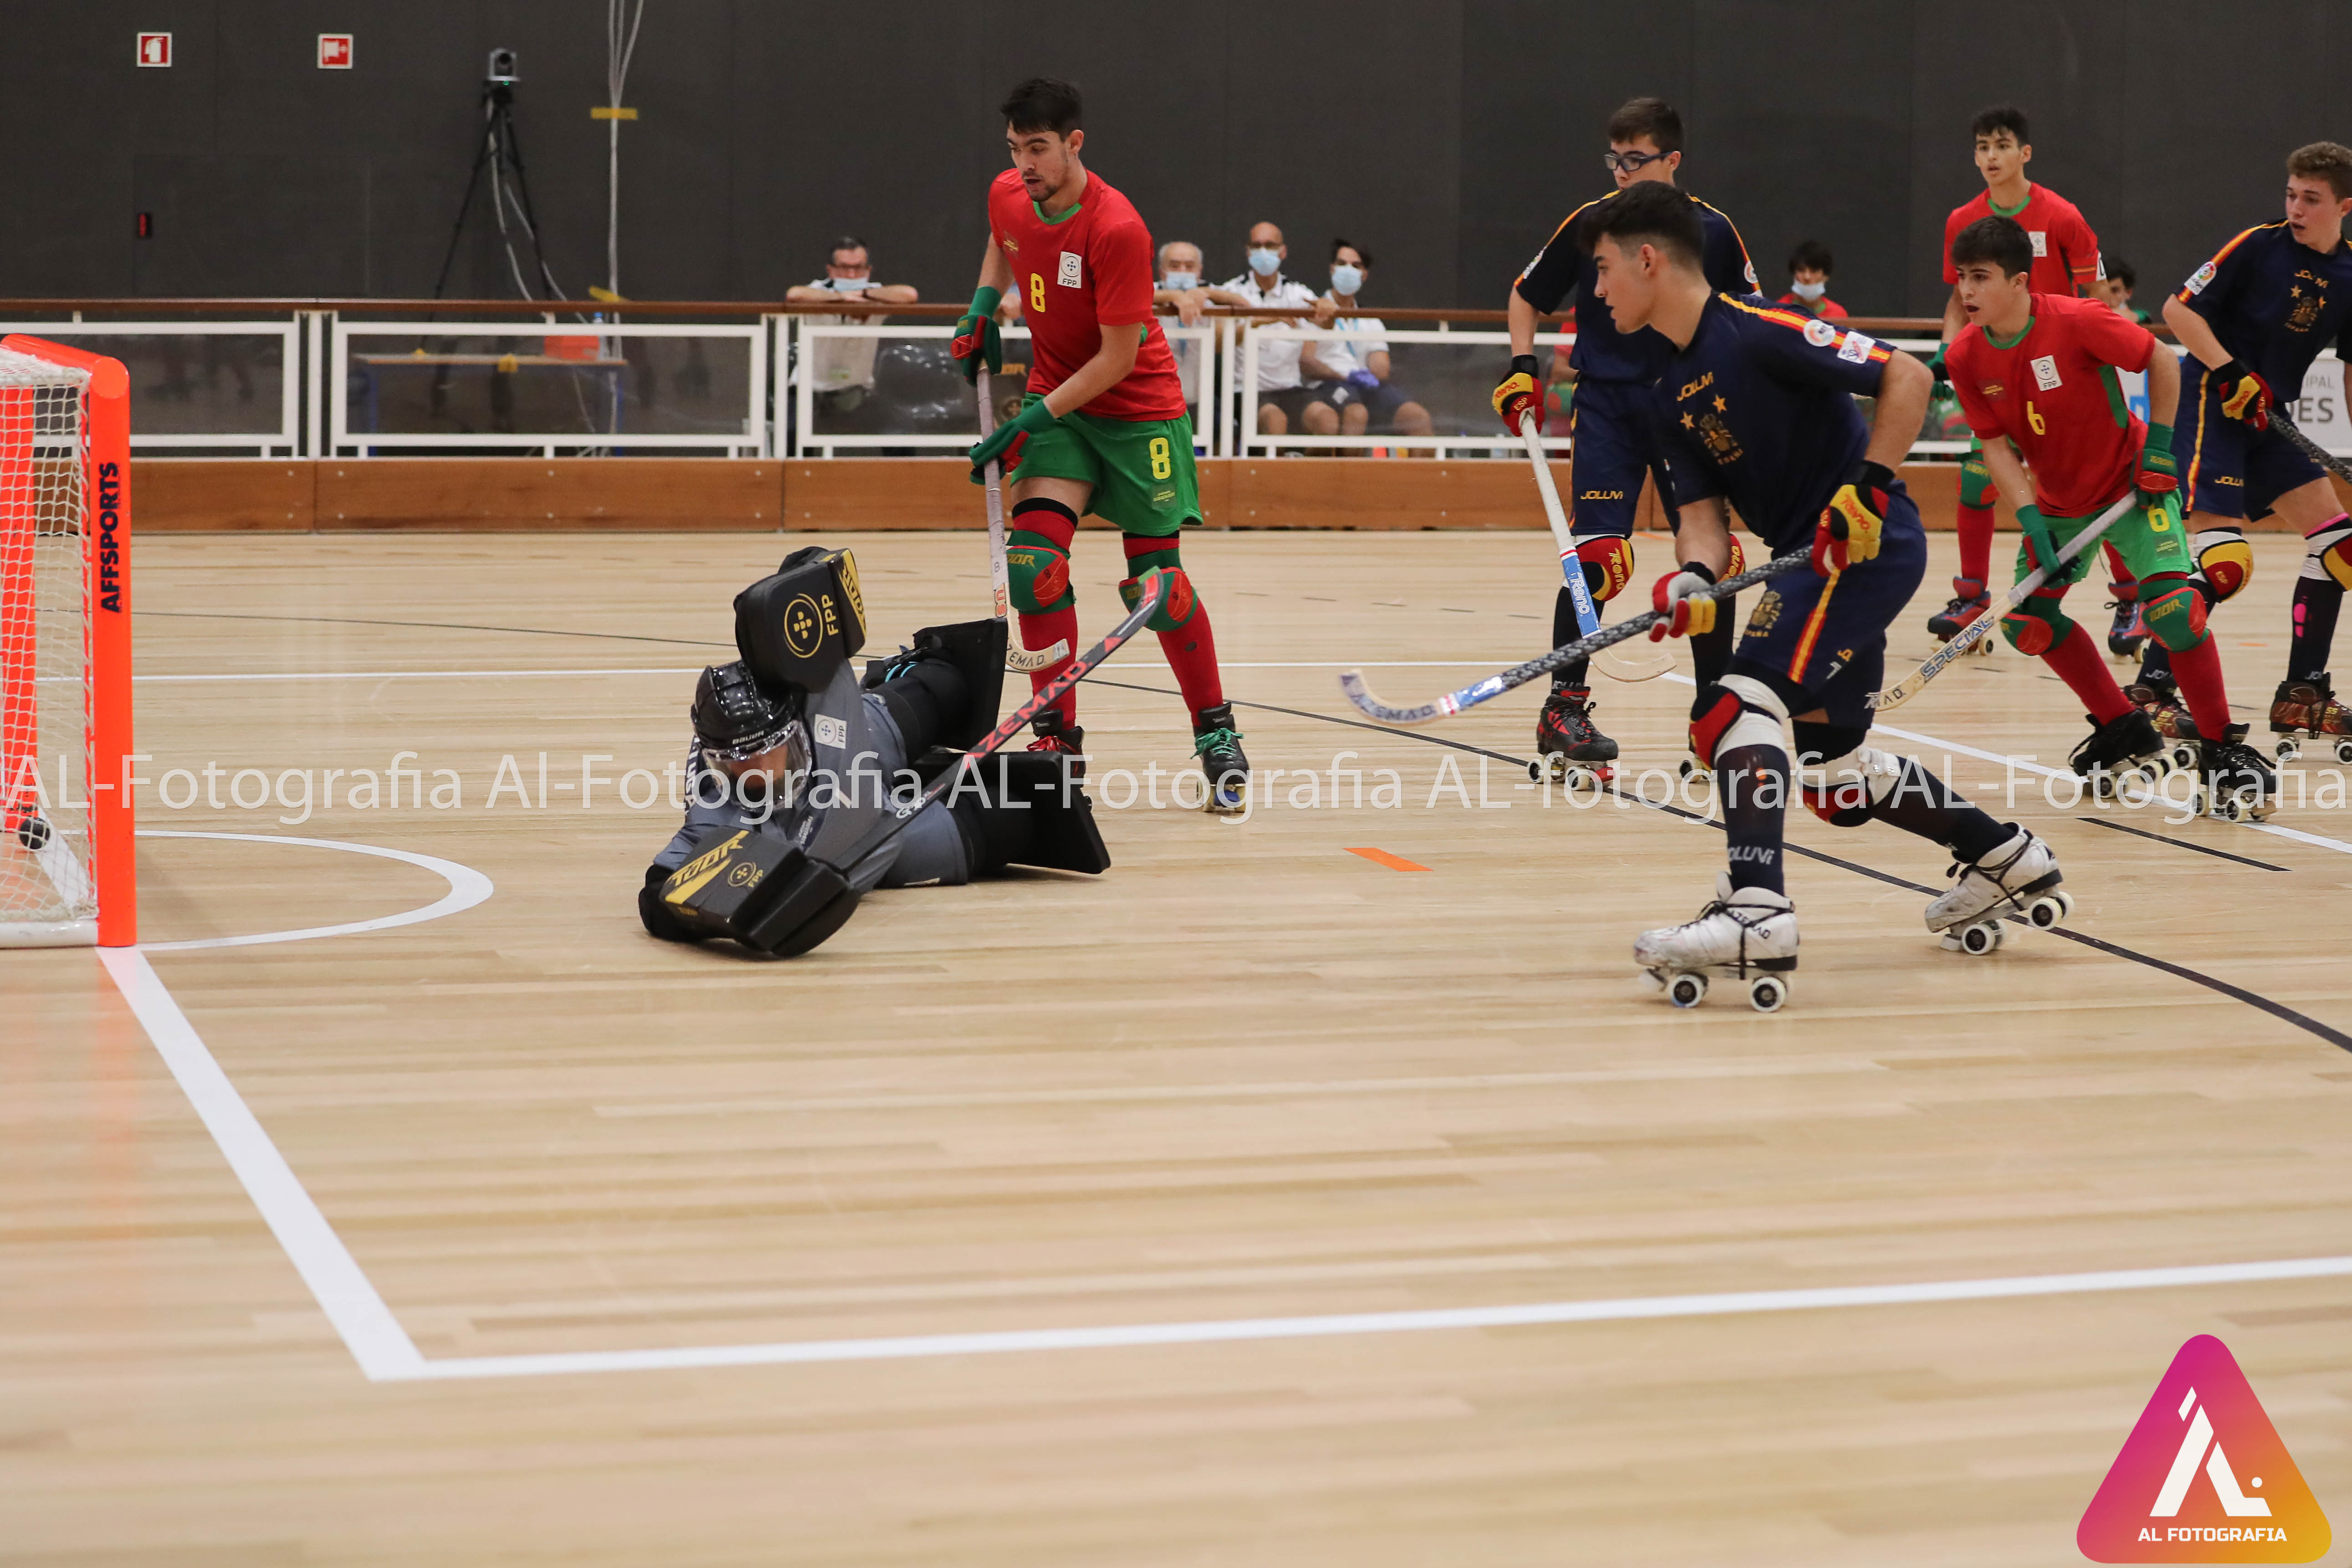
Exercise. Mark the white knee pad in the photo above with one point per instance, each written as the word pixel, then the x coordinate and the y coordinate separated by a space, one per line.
pixel 1875 771
pixel 1761 714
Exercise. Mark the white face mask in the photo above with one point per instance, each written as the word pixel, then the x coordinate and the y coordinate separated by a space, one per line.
pixel 1181 280
pixel 851 285
pixel 1809 291
pixel 1347 279
pixel 1264 261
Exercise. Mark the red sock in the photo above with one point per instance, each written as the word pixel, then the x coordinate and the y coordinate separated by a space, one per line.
pixel 2078 664
pixel 1976 542
pixel 1191 650
pixel 2118 574
pixel 2198 673
pixel 1042 628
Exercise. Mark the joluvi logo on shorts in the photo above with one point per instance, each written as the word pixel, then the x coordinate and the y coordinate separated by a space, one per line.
pixel 2203 1476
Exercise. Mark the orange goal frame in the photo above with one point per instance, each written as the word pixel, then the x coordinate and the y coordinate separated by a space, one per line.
pixel 106 566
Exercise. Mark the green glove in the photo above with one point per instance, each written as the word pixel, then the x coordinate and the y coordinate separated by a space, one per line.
pixel 1936 369
pixel 976 338
pixel 2041 544
pixel 2159 471
pixel 1032 417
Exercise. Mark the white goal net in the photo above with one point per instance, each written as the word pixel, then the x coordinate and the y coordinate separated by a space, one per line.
pixel 47 890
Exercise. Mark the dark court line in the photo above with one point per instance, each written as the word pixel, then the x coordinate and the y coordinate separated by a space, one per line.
pixel 2181 843
pixel 2278 1010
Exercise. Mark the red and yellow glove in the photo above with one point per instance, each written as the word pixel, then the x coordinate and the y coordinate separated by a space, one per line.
pixel 1519 394
pixel 2246 395
pixel 1850 525
pixel 1682 598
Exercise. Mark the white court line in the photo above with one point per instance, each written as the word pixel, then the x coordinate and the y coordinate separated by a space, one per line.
pixel 375 1339
pixel 2025 765
pixel 468 887
pixel 697 669
pixel 386 1354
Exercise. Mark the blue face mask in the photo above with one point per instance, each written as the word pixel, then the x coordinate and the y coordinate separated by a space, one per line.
pixel 1264 261
pixel 1180 281
pixel 1347 279
pixel 1808 290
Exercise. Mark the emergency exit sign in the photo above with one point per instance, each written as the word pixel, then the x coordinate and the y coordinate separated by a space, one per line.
pixel 334 51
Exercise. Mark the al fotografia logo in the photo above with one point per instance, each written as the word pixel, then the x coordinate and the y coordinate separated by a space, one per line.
pixel 2203 1476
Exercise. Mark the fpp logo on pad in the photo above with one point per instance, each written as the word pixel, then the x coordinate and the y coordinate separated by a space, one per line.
pixel 2203 1478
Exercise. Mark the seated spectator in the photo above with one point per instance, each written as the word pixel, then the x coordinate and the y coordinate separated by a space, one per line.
pixel 1809 286
pixel 2116 287
pixel 841 368
pixel 1281 389
pixel 1356 391
pixel 1178 290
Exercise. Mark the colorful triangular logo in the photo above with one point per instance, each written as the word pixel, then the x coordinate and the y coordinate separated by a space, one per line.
pixel 2203 1476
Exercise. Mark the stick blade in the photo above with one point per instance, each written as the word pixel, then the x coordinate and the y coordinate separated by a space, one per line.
pixel 1028 660
pixel 1353 683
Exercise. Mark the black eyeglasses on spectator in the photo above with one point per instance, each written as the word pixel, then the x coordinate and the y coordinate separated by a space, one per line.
pixel 1630 163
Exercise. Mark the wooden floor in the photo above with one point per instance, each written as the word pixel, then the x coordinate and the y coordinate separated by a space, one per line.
pixel 1247 1075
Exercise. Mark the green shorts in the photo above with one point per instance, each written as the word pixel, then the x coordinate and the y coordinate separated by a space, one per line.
pixel 1141 470
pixel 2151 540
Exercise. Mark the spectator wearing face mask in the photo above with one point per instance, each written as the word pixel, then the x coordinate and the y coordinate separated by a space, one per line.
pixel 1283 359
pixel 841 368
pixel 1808 287
pixel 1359 394
pixel 1177 291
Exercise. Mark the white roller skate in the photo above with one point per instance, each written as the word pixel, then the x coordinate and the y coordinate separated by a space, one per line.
pixel 2017 880
pixel 1749 935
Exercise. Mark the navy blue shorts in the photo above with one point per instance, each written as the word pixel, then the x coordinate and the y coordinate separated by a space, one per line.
pixel 1610 423
pixel 2228 469
pixel 1821 642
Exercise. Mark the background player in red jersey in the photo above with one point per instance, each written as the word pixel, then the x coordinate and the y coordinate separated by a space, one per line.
pixel 1104 426
pixel 2040 371
pixel 2065 262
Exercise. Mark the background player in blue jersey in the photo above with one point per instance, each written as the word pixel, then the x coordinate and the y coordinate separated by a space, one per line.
pixel 1756 405
pixel 2252 320
pixel 1613 452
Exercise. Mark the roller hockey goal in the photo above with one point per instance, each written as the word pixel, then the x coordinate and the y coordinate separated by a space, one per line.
pixel 67 875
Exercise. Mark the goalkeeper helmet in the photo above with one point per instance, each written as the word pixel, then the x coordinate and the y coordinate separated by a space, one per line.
pixel 738 723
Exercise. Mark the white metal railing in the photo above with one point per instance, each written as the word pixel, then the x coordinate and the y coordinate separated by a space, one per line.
pixel 749 436
pixel 808 337
pixel 282 440
pixel 308 412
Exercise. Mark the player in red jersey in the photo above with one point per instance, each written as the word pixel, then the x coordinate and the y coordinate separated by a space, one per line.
pixel 2065 262
pixel 2038 370
pixel 1104 426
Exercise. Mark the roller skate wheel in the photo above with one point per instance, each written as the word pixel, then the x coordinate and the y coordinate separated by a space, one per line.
pixel 2104 785
pixel 1686 989
pixel 2051 910
pixel 1766 993
pixel 1981 648
pixel 2182 756
pixel 1980 939
pixel 1540 769
pixel 2343 751
pixel 2287 751
pixel 1687 766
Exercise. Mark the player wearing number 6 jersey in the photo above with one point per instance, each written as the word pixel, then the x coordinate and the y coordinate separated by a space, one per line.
pixel 1103 427
pixel 2039 370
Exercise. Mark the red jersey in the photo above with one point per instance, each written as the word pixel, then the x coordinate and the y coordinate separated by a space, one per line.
pixel 2065 251
pixel 1087 269
pixel 2053 392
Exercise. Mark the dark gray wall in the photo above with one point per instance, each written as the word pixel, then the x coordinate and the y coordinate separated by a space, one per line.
pixel 1447 136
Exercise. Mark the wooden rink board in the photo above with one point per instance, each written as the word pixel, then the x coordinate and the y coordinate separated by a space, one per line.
pixel 1247 1074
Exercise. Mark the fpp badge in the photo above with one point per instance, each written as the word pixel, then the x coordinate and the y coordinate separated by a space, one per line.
pixel 2203 1478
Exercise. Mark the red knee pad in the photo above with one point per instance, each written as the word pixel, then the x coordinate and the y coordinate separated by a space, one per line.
pixel 1840 806
pixel 1613 559
pixel 2028 635
pixel 1708 726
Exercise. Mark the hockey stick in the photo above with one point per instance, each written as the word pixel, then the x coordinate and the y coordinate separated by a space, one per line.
pixel 1977 630
pixel 1026 661
pixel 2310 448
pixel 1351 681
pixel 1571 568
pixel 1154 591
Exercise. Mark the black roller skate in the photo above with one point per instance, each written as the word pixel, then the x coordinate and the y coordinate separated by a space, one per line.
pixel 1219 746
pixel 2307 711
pixel 2126 751
pixel 1057 734
pixel 2160 700
pixel 1567 748
pixel 2238 782
pixel 2128 634
pixel 1970 599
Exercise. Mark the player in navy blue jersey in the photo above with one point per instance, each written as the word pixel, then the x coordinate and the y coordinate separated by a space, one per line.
pixel 1755 402
pixel 2252 320
pixel 1612 452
